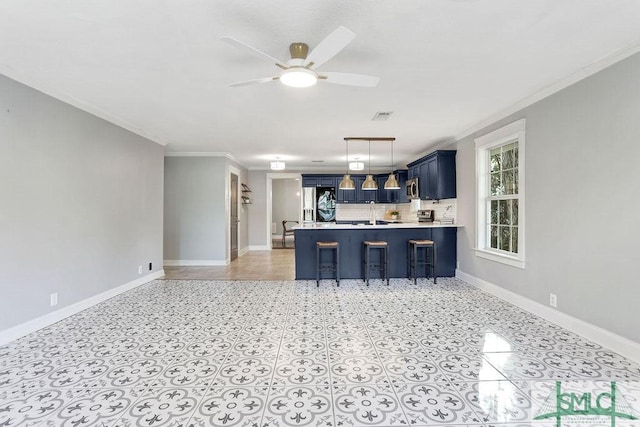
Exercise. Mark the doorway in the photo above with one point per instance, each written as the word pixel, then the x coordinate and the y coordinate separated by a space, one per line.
pixel 283 204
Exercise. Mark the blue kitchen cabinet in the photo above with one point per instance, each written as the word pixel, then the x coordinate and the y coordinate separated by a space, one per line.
pixel 346 196
pixel 393 196
pixel 320 181
pixel 436 175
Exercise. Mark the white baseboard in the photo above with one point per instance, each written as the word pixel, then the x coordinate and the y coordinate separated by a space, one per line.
pixel 50 318
pixel 619 344
pixel 194 263
pixel 260 248
pixel 243 251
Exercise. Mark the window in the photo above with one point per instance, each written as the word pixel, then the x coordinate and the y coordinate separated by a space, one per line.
pixel 500 195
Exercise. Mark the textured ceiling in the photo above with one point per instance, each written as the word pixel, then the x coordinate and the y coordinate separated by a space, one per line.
pixel 160 69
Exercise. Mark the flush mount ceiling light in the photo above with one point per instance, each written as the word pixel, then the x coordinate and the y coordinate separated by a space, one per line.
pixel 298 77
pixel 356 165
pixel 277 165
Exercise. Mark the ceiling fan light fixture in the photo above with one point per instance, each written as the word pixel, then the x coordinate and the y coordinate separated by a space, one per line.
pixel 298 77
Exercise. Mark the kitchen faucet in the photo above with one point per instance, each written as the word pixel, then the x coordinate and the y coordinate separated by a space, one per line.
pixel 372 213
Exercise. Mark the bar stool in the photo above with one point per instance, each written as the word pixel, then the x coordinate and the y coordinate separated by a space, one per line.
pixel 333 266
pixel 429 259
pixel 382 266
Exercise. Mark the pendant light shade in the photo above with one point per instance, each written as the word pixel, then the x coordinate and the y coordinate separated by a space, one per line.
pixel 347 183
pixel 392 182
pixel 369 183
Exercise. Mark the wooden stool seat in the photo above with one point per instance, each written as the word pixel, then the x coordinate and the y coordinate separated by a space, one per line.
pixel 375 242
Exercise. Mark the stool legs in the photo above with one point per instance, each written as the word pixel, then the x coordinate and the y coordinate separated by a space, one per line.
pixel 334 266
pixel 430 260
pixel 383 265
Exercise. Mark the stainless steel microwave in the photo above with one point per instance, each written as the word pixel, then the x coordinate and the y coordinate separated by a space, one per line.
pixel 412 189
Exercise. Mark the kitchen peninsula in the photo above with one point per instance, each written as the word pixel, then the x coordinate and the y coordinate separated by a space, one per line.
pixel 351 237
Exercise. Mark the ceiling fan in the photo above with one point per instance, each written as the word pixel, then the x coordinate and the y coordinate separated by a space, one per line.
pixel 300 70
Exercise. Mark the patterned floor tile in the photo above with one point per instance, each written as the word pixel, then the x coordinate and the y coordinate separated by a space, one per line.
pixel 427 404
pixel 162 407
pixel 231 406
pixel 496 401
pixel 281 353
pixel 301 371
pixel 358 370
pixel 299 406
pixel 367 405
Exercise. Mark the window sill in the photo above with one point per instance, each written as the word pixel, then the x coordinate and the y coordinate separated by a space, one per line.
pixel 504 259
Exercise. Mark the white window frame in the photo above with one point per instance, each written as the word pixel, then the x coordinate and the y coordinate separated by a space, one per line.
pixel 505 135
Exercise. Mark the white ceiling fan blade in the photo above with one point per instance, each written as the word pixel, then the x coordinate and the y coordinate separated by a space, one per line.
pixel 350 79
pixel 253 51
pixel 329 47
pixel 254 82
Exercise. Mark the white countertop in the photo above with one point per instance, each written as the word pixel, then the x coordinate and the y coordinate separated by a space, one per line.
pixel 334 226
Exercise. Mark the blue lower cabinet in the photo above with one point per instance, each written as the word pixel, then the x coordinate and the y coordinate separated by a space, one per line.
pixel 351 251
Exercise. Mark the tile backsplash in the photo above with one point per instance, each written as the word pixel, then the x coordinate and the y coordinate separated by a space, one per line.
pixel 408 211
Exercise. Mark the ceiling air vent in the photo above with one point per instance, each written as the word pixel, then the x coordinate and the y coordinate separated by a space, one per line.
pixel 382 115
pixel 317 161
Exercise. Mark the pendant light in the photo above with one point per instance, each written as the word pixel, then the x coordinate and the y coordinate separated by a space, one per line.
pixel 392 182
pixel 347 182
pixel 369 183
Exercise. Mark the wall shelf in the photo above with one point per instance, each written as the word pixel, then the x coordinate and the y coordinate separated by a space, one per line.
pixel 246 195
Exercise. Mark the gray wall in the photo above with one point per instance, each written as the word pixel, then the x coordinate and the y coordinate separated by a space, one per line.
pixel 582 201
pixel 258 211
pixel 285 202
pixel 195 211
pixel 81 204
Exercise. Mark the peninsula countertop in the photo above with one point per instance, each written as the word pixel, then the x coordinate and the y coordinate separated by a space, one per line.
pixel 350 238
pixel 334 226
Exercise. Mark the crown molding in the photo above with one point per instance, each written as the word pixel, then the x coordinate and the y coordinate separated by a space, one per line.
pixel 199 154
pixel 586 71
pixel 62 96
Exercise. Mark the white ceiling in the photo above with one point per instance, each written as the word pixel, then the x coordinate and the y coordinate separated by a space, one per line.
pixel 159 68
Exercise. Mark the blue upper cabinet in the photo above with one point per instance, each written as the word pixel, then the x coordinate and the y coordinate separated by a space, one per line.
pixel 436 175
pixel 320 181
pixel 393 196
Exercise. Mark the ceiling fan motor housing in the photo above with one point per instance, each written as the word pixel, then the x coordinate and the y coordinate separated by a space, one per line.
pixel 299 50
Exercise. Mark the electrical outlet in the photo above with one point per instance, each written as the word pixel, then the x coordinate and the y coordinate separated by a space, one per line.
pixel 553 300
pixel 139 269
pixel 53 298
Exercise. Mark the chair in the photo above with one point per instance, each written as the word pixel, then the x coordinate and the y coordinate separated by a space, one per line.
pixel 286 231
